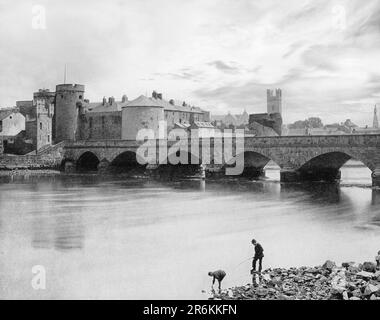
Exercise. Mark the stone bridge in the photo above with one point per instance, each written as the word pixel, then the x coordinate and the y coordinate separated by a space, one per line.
pixel 299 158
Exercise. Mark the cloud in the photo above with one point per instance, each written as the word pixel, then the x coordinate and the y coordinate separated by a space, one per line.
pixel 224 67
pixel 222 55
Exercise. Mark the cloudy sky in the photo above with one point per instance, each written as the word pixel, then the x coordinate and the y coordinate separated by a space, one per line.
pixel 220 55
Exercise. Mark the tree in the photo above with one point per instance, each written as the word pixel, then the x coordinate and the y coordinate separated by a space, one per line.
pixel 315 122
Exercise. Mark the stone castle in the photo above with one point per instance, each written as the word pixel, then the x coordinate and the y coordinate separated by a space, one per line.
pixel 65 115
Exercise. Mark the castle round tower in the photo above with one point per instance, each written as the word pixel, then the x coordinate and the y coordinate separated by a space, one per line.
pixel 66 110
pixel 141 113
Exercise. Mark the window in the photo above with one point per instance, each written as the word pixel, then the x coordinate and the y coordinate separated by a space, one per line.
pixel 40 125
pixel 48 138
pixel 90 123
pixel 1 125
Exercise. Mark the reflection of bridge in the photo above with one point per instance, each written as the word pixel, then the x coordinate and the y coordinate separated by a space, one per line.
pixel 300 158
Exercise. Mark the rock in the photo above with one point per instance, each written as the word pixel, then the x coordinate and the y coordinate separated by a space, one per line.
pixel 373 297
pixel 353 269
pixel 283 297
pixel 355 298
pixel 345 295
pixel 348 264
pixel 262 292
pixel 329 265
pixel 369 267
pixel 364 275
pixel 370 289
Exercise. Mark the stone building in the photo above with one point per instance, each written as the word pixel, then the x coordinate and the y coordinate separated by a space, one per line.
pixel 12 131
pixel 39 116
pixel 147 113
pixel 65 114
pixel 270 123
pixel 274 101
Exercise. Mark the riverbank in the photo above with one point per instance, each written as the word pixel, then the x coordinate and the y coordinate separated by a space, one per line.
pixel 27 172
pixel 351 281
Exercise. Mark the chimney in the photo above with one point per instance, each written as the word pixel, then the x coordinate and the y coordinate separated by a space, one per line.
pixel 111 100
pixel 104 101
pixel 171 102
pixel 184 104
pixel 159 96
pixel 124 98
pixel 154 94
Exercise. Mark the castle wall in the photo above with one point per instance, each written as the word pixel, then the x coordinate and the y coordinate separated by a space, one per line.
pixel 136 118
pixel 100 125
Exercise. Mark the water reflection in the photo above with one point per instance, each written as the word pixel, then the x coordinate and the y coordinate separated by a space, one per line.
pixel 112 237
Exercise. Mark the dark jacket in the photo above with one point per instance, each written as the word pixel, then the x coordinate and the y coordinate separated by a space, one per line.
pixel 219 275
pixel 259 251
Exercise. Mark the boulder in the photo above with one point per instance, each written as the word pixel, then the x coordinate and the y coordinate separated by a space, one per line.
pixel 355 298
pixel 329 265
pixel 369 267
pixel 370 289
pixel 262 292
pixel 364 275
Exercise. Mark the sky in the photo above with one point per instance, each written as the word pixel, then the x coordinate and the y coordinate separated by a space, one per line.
pixel 219 55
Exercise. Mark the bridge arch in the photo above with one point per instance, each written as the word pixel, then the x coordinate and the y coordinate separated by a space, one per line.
pixel 127 161
pixel 87 161
pixel 326 165
pixel 255 162
pixel 190 166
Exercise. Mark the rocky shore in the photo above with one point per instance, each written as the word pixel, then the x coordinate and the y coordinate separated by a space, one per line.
pixel 350 281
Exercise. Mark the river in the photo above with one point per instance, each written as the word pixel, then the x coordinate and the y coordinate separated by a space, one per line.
pixel 113 238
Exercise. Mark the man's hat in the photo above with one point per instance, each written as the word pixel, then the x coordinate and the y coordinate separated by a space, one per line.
pixel 253 241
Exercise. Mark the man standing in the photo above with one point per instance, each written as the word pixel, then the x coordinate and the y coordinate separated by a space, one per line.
pixel 259 255
pixel 218 275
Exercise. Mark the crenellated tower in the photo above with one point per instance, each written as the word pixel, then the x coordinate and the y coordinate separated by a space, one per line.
pixel 274 101
pixel 68 100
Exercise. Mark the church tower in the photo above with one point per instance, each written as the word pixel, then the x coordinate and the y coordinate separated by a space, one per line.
pixel 375 120
pixel 274 101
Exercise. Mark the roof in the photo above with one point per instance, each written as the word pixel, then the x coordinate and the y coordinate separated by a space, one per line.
pixel 106 107
pixel 5 113
pixel 203 124
pixel 143 101
pixel 182 125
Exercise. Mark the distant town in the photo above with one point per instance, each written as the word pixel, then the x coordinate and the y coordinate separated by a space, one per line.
pixel 65 115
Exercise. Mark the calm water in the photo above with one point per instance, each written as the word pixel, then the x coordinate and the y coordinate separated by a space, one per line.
pixel 134 239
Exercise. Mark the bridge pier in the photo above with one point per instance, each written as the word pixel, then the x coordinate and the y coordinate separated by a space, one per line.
pixel 317 174
pixel 253 172
pixel 376 178
pixel 69 167
pixel 290 175
pixel 103 166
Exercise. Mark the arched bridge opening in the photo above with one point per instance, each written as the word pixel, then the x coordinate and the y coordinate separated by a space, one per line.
pixel 327 167
pixel 127 162
pixel 255 164
pixel 88 161
pixel 180 165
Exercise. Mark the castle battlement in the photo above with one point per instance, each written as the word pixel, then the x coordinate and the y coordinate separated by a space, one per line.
pixel 70 87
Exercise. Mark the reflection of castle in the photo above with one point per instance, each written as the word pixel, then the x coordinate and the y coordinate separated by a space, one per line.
pixel 66 115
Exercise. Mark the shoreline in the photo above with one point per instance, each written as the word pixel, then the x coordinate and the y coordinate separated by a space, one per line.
pixel 351 281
